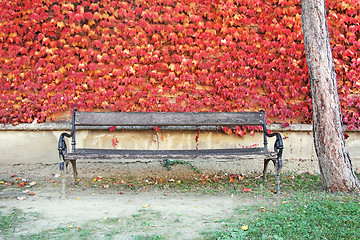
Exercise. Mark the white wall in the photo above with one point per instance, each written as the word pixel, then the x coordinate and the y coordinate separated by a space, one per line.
pixel 37 144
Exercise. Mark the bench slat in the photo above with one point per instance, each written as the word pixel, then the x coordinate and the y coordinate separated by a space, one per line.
pixel 241 153
pixel 168 118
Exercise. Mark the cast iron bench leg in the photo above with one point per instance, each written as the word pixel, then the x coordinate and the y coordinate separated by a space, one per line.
pixel 73 163
pixel 266 162
pixel 277 167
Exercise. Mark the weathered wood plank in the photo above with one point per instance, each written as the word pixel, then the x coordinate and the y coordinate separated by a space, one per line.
pixel 242 153
pixel 168 118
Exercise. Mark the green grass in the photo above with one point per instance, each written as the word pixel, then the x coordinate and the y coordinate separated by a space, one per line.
pixel 108 228
pixel 148 237
pixel 63 233
pixel 314 215
pixel 9 222
pixel 213 184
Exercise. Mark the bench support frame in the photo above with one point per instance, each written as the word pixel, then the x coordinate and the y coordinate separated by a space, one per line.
pixel 66 158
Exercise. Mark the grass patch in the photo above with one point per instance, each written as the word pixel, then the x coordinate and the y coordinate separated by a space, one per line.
pixel 9 222
pixel 63 233
pixel 149 237
pixel 210 184
pixel 315 215
pixel 107 228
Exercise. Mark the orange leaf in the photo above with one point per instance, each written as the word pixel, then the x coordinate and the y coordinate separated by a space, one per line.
pixel 246 189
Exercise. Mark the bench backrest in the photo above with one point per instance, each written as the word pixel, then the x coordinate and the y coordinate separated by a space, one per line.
pixel 169 118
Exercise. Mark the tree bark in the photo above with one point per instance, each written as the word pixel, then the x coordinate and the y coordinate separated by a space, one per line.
pixel 334 161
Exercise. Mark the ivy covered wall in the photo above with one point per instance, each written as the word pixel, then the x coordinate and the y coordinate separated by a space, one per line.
pixel 165 55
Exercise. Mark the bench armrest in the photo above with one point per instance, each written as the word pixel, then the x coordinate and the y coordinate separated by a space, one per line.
pixel 62 147
pixel 278 145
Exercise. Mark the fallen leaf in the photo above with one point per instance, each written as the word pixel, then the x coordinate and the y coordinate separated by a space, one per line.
pixel 145 206
pixel 32 183
pixel 246 189
pixel 245 227
pixel 70 226
pixel 28 192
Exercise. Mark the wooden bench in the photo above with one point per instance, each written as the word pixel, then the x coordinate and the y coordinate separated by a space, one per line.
pixel 166 119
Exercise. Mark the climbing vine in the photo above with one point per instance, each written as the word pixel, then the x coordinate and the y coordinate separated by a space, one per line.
pixel 165 55
pixel 168 163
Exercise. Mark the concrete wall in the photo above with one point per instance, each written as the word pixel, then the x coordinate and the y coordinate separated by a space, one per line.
pixel 37 144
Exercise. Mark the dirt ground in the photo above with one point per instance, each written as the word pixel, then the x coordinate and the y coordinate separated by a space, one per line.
pixel 170 214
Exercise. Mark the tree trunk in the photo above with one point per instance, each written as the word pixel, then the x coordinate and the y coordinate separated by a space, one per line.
pixel 334 161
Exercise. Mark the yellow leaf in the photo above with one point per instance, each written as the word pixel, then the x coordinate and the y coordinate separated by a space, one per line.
pixel 145 206
pixel 60 25
pixel 245 227
pixel 70 226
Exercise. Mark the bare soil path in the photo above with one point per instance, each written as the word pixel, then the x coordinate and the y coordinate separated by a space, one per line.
pixel 116 213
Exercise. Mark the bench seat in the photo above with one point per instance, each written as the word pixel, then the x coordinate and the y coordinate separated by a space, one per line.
pixel 213 154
